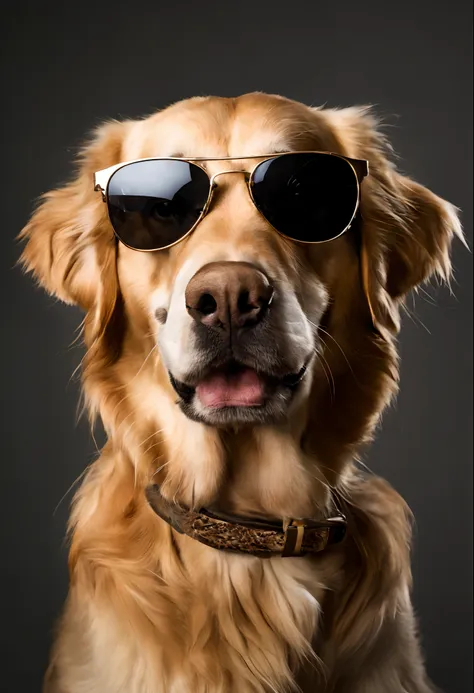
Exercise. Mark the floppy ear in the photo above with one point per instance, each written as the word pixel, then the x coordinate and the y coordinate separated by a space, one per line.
pixel 64 233
pixel 70 245
pixel 406 229
pixel 422 245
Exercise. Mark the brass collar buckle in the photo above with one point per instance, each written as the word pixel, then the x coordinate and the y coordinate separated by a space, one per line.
pixel 294 535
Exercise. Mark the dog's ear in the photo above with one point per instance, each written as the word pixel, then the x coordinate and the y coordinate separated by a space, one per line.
pixel 71 250
pixel 70 245
pixel 421 243
pixel 406 229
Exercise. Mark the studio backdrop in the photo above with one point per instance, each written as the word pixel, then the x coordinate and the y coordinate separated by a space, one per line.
pixel 65 67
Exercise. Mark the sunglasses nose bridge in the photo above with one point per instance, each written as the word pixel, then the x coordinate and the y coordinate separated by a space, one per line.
pixel 233 170
pixel 213 184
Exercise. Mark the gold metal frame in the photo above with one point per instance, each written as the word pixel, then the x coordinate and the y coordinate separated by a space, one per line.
pixel 360 168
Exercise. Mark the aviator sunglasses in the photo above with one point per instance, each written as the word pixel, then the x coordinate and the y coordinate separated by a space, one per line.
pixel 308 197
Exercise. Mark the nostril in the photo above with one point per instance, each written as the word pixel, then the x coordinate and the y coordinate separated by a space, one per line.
pixel 206 304
pixel 243 303
pixel 251 305
pixel 253 301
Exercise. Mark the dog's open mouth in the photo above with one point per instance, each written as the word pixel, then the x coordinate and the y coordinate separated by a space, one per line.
pixel 232 387
pixel 235 386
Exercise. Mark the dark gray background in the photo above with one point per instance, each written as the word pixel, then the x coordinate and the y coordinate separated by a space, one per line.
pixel 65 67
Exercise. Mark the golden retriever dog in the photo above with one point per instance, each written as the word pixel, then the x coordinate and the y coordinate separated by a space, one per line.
pixel 242 263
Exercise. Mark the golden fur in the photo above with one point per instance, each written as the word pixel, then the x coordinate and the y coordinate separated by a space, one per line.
pixel 150 611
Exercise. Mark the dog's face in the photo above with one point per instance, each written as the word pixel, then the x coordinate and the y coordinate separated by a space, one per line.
pixel 235 307
pixel 249 327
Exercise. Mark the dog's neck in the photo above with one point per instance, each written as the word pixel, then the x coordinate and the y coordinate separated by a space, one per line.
pixel 271 474
pixel 258 471
pixel 248 471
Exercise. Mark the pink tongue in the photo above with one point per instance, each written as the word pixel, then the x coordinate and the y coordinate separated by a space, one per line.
pixel 241 389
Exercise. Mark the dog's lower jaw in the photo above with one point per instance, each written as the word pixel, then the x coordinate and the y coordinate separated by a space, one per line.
pixel 275 408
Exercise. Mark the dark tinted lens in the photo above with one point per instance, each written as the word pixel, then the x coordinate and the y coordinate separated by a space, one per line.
pixel 153 204
pixel 308 197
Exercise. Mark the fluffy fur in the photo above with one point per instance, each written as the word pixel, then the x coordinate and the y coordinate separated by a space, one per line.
pixel 150 611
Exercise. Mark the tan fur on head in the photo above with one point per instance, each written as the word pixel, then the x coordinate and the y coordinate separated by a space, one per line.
pixel 151 611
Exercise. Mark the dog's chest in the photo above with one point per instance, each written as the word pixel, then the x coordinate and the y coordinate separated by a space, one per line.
pixel 242 629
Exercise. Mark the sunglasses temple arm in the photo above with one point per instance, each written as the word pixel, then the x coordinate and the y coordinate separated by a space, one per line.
pixel 100 185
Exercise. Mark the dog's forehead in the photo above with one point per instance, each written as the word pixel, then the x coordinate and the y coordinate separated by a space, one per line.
pixel 220 127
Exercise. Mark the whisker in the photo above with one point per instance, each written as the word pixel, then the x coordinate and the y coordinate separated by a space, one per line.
pixel 157 471
pixel 127 395
pixel 328 374
pixel 158 442
pixel 155 346
pixel 321 329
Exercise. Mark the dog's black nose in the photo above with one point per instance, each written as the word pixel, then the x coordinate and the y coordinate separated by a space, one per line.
pixel 226 295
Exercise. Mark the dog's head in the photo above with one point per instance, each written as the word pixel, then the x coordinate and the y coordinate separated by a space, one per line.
pixel 237 325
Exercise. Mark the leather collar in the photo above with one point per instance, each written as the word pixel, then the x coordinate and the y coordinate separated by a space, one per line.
pixel 257 537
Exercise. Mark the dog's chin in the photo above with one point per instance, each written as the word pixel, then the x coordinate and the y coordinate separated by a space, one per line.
pixel 238 395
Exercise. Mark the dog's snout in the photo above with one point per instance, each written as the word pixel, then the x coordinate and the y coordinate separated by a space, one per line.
pixel 227 295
